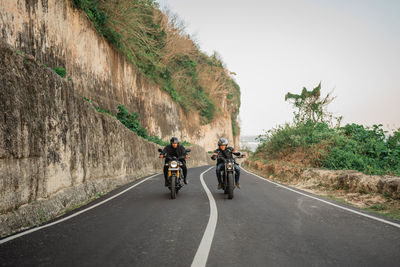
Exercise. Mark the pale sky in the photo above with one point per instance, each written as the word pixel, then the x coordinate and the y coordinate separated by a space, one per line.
pixel 351 46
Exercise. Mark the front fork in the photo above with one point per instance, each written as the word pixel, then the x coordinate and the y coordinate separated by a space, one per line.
pixel 225 177
pixel 177 174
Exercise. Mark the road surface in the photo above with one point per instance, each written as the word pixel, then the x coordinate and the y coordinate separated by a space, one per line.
pixel 264 225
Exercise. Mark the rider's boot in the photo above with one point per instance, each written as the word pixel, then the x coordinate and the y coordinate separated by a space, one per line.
pixel 219 186
pixel 238 185
pixel 185 180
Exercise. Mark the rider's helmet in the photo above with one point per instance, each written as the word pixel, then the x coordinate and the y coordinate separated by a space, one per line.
pixel 174 140
pixel 223 142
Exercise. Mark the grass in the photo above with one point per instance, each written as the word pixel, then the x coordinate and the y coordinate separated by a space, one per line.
pixel 384 209
pixel 77 206
pixel 390 212
pixel 42 216
pixel 98 195
pixel 159 48
pixel 337 199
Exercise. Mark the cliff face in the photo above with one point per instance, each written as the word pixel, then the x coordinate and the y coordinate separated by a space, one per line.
pixel 56 151
pixel 59 35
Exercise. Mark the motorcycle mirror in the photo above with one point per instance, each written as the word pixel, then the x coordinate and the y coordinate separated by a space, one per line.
pixel 160 150
pixel 188 150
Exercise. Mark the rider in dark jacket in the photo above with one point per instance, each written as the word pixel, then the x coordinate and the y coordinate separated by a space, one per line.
pixel 174 149
pixel 226 152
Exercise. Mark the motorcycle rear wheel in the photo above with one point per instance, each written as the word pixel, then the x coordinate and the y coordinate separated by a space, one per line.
pixel 225 186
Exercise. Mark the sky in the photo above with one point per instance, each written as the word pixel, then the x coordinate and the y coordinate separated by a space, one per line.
pixel 351 46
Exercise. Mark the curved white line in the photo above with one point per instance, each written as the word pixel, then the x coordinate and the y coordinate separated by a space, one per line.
pixel 327 202
pixel 73 215
pixel 200 259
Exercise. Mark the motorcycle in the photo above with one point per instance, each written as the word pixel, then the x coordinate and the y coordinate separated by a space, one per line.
pixel 175 173
pixel 228 175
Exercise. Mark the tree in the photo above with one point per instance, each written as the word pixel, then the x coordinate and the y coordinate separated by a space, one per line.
pixel 309 106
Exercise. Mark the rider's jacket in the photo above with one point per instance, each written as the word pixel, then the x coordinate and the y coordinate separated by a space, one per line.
pixel 227 154
pixel 180 151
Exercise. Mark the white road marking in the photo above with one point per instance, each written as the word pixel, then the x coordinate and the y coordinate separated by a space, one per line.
pixel 327 202
pixel 200 259
pixel 73 215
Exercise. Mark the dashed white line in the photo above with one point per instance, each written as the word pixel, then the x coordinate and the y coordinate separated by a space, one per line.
pixel 75 214
pixel 327 202
pixel 200 259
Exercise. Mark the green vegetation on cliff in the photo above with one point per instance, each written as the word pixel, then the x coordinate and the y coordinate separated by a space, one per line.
pixel 312 140
pixel 131 121
pixel 162 51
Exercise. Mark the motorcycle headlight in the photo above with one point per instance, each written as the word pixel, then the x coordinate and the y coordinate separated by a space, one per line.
pixel 229 166
pixel 174 164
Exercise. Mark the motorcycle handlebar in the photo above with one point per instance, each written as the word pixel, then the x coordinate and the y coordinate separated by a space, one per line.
pixel 224 159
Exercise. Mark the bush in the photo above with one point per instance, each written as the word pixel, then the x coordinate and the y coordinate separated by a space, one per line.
pixel 369 150
pixel 60 71
pixel 131 121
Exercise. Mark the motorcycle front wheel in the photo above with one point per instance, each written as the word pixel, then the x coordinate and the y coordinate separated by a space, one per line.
pixel 225 185
pixel 230 185
pixel 173 187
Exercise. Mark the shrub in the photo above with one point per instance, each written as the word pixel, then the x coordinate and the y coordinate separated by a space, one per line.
pixel 131 121
pixel 60 71
pixel 369 150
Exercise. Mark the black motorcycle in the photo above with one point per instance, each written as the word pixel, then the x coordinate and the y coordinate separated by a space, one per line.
pixel 228 175
pixel 175 173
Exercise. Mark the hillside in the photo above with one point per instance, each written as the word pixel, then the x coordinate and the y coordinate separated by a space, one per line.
pixel 130 53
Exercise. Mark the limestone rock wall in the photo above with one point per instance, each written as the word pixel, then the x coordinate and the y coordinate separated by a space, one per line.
pixel 59 35
pixel 56 151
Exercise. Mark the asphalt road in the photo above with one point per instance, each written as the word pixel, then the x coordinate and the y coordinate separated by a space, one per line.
pixel 264 225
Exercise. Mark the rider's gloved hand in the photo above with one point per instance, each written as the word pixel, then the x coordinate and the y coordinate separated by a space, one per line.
pixel 161 156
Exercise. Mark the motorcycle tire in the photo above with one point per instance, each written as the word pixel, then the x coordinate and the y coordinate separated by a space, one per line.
pixel 225 185
pixel 173 187
pixel 230 185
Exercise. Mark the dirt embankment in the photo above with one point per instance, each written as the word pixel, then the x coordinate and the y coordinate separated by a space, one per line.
pixel 372 192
